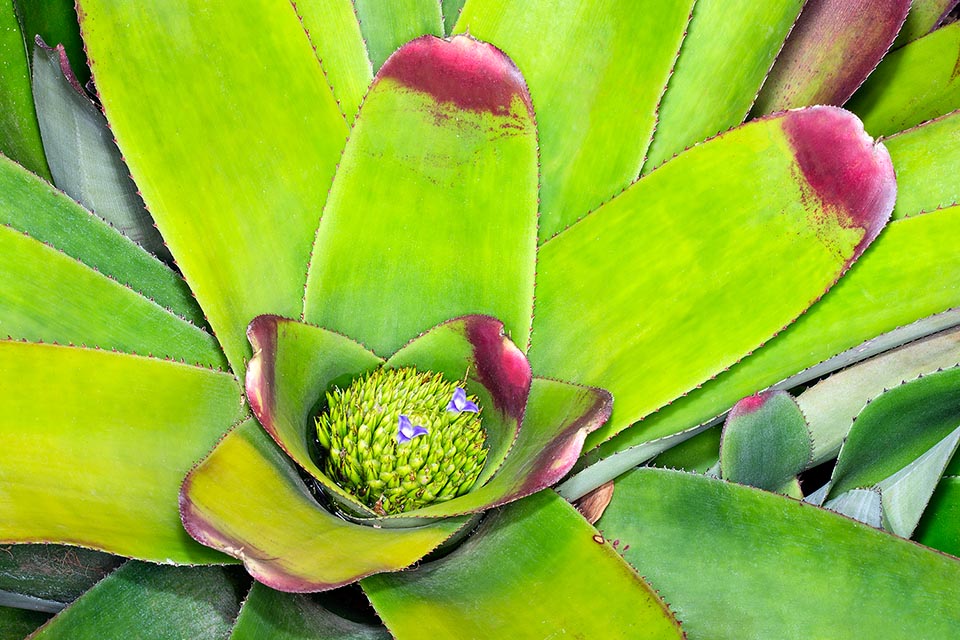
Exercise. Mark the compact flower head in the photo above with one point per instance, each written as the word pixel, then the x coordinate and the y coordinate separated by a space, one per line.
pixel 391 440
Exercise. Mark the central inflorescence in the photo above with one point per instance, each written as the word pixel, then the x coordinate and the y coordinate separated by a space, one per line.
pixel 400 439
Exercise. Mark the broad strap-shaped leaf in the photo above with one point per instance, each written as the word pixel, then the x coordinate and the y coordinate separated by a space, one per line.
pixel 19 623
pixel 292 368
pixel 830 52
pixel 849 577
pixel 573 583
pixel 896 428
pixel 699 453
pixel 19 132
pixel 907 275
pixel 32 206
pixel 142 600
pixel 386 26
pixel 924 17
pixel 765 441
pixel 475 349
pixel 618 294
pixel 83 158
pixel 926 157
pixel 52 572
pixel 722 64
pixel 940 525
pixel 248 500
pixel 96 445
pixel 559 416
pixel 283 616
pixel 451 13
pixel 863 505
pixel 913 84
pixel 832 404
pixel 433 211
pixel 235 182
pixel 596 71
pixel 55 21
pixel 335 34
pixel 48 296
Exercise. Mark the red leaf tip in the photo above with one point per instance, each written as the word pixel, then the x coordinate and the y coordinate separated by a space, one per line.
pixel 850 173
pixel 473 75
pixel 750 404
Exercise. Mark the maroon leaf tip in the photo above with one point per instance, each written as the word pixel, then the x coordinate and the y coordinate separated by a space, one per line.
pixel 501 366
pixel 262 335
pixel 473 75
pixel 850 173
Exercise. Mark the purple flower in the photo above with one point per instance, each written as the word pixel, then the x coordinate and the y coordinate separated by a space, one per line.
pixel 460 404
pixel 407 431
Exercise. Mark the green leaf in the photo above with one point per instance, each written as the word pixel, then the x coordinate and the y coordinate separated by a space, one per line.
pixel 904 277
pixel 19 132
pixel 596 71
pixel 16 624
pixel 97 443
pixel 573 583
pixel 283 616
pixel 83 159
pixel 386 26
pixel 53 572
pixel 236 182
pixel 722 64
pixel 912 84
pixel 248 500
pixel 48 296
pixel 55 21
pixel 445 153
pixel 32 206
pixel 148 602
pixel 699 453
pixel 926 157
pixel 865 505
pixel 626 284
pixel 335 34
pixel 451 13
pixel 897 428
pixel 692 537
pixel 940 525
pixel 830 52
pixel 832 404
pixel 924 17
pixel 765 441
pixel 292 368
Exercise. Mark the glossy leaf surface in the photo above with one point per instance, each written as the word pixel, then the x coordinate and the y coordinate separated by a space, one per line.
pixel 282 616
pixel 722 64
pixel 248 499
pixel 926 157
pixel 16 624
pixel 439 180
pixel 451 12
pixel 765 441
pixel 832 404
pixel 596 71
pixel 830 52
pixel 83 158
pixel 905 276
pixel 335 34
pixel 567 570
pixel 691 236
pixel 19 132
pixel 236 182
pixel 796 553
pixel 924 17
pixel 149 601
pixel 97 444
pixel 940 526
pixel 386 26
pixel 912 84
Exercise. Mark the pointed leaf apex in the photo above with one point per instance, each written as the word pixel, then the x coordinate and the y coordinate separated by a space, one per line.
pixel 849 172
pixel 501 366
pixel 473 75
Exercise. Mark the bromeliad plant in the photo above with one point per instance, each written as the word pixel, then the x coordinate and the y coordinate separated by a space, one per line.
pixel 420 248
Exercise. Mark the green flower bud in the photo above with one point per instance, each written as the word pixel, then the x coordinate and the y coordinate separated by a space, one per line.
pixel 400 439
